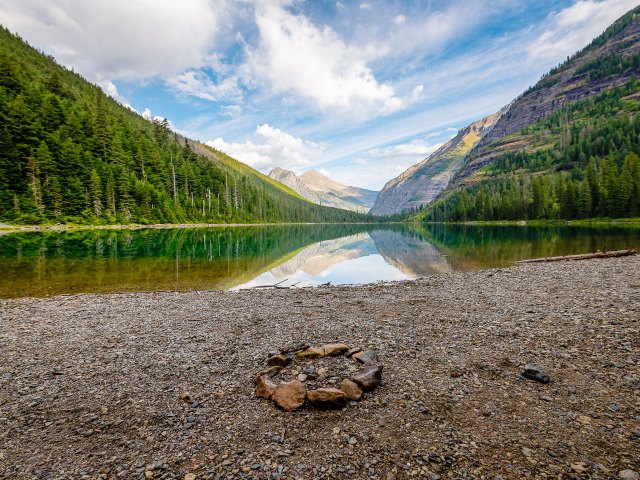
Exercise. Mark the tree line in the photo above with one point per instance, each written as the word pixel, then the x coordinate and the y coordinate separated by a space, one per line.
pixel 70 154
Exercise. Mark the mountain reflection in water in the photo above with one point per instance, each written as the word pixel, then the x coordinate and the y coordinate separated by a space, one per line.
pixel 51 263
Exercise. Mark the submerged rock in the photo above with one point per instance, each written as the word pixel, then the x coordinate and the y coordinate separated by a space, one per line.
pixel 327 397
pixel 535 373
pixel 290 395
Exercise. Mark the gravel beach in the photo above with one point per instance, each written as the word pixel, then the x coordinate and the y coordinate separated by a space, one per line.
pixel 161 385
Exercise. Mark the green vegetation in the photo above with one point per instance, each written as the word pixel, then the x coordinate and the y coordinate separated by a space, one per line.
pixel 589 168
pixel 602 67
pixel 70 154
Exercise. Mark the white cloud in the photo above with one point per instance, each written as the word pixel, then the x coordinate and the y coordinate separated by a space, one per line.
pixel 400 19
pixel 106 39
pixel 298 57
pixel 417 149
pixel 199 84
pixel 575 26
pixel 365 6
pixel 273 148
pixel 146 114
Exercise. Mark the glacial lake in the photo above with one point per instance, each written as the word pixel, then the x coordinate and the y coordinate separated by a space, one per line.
pixel 52 263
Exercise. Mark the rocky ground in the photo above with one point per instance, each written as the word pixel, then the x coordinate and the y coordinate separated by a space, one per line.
pixel 93 386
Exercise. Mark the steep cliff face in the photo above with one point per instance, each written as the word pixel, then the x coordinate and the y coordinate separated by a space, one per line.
pixel 421 183
pixel 318 188
pixel 609 61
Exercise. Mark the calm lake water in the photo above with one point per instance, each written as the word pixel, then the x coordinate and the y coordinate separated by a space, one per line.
pixel 48 263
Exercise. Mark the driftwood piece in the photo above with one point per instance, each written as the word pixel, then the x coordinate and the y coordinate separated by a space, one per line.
pixel 584 256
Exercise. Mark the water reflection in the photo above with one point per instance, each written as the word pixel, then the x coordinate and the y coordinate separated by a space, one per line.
pixel 46 263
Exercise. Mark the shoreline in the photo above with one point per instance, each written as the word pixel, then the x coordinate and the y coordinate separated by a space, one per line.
pixel 91 384
pixel 6 228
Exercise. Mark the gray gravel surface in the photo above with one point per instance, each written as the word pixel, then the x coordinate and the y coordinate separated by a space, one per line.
pixel 92 386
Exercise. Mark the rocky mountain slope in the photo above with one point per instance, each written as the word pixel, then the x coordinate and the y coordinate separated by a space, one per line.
pixel 611 60
pixel 567 148
pixel 320 189
pixel 421 183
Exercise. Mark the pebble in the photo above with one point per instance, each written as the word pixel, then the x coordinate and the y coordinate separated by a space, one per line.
pixel 535 373
pixel 629 475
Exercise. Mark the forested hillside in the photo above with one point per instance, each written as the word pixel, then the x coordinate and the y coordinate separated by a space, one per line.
pixel 70 154
pixel 575 153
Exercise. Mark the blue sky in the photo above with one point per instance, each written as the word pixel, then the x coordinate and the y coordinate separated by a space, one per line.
pixel 359 90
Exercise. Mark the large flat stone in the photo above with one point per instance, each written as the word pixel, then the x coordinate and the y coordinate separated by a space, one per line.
pixel 290 395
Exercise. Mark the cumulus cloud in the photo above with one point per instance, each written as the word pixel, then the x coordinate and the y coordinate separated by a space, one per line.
pixel 313 62
pixel 198 84
pixel 272 148
pixel 107 39
pixel 575 26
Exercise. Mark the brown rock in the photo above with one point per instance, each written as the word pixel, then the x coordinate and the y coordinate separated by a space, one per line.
pixel 335 349
pixel 279 360
pixel 269 372
pixel 455 373
pixel 265 387
pixel 327 397
pixel 351 389
pixel 352 351
pixel 294 348
pixel 365 356
pixel 368 377
pixel 311 352
pixel 290 395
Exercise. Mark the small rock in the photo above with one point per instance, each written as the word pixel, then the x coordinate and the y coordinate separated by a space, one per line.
pixel 311 352
pixel 578 467
pixel 279 360
pixel 327 397
pixel 269 372
pixel 294 348
pixel 535 373
pixel 302 377
pixel 265 387
pixel 352 351
pixel 185 396
pixel 351 389
pixel 527 452
pixel 290 395
pixel 368 377
pixel 353 441
pixel 148 474
pixel 629 475
pixel 584 420
pixel 545 398
pixel 335 349
pixel 309 370
pixel 190 476
pixel 455 373
pixel 365 357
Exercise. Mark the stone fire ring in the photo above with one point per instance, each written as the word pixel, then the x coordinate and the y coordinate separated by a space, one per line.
pixel 292 395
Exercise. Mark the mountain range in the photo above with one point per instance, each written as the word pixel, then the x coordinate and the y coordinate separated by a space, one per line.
pixel 320 189
pixel 566 148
